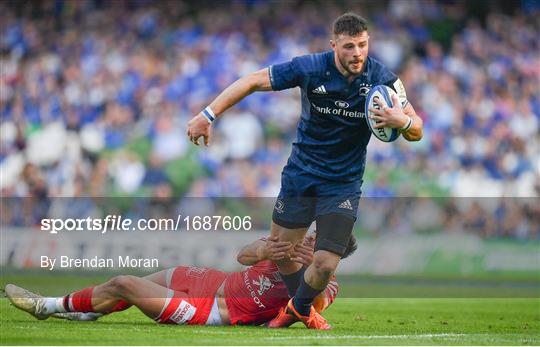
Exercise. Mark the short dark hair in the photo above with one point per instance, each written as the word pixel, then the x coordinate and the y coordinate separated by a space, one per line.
pixel 349 23
pixel 351 247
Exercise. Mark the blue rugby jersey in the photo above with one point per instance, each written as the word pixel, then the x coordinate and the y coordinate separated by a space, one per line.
pixel 332 135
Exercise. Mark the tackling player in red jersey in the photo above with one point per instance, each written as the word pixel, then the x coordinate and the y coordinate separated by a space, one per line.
pixel 190 295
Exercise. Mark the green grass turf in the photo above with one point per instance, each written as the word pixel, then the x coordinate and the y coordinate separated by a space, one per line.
pixel 374 321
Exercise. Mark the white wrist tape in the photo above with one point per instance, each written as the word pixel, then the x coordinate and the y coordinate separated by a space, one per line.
pixel 209 114
pixel 407 126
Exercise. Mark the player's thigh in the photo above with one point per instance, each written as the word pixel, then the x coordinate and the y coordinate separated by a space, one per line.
pixel 334 231
pixel 285 234
pixel 295 205
pixel 336 212
pixel 159 277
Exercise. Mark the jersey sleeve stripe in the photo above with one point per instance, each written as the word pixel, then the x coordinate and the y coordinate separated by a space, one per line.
pixel 271 75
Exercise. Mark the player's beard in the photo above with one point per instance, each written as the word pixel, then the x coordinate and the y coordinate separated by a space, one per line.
pixel 348 66
pixel 355 70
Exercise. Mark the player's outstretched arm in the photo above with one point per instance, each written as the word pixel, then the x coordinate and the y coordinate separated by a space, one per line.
pixel 268 249
pixel 200 124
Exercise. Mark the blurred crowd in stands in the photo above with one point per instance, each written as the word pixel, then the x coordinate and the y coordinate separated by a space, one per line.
pixel 517 218
pixel 95 96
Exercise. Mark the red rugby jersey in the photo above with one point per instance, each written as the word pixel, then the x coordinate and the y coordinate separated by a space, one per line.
pixel 255 295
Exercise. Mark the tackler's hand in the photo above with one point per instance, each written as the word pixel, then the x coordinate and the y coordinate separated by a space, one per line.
pixel 275 249
pixel 303 252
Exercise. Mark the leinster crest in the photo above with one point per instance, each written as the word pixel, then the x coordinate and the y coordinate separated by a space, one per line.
pixel 364 89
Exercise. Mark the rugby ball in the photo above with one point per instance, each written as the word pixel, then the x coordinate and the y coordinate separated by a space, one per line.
pixel 385 93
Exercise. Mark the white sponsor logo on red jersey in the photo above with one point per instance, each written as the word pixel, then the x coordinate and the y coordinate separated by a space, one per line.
pixel 183 313
pixel 264 284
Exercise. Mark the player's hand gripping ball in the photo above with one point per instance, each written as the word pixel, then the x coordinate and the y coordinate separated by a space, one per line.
pixel 376 94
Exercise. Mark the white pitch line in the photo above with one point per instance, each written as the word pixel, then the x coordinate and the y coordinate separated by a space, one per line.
pixel 420 336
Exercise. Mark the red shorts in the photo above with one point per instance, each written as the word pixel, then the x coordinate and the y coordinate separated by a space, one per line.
pixel 193 291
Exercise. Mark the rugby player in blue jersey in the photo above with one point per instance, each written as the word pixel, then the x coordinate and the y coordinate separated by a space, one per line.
pixel 323 176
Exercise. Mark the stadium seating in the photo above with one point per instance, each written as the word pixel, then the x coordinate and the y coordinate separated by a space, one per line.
pixel 95 98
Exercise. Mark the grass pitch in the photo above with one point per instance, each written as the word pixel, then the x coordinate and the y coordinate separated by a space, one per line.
pixel 375 321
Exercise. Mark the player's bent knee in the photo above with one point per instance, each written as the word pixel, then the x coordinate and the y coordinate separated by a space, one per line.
pixel 124 283
pixel 116 282
pixel 324 267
